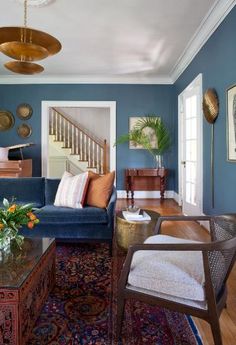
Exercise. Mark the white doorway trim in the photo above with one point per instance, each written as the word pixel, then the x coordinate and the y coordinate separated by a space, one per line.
pixel 46 105
pixel 197 82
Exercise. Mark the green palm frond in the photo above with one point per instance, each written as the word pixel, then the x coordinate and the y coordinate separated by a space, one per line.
pixel 161 132
pixel 139 136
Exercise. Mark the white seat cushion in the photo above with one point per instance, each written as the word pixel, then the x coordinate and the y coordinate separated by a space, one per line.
pixel 175 273
pixel 72 190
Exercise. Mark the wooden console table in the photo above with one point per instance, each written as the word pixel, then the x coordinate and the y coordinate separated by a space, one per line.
pixel 145 179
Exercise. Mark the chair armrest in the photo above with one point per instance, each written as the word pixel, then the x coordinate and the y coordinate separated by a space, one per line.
pixel 162 246
pixel 162 219
pixel 203 247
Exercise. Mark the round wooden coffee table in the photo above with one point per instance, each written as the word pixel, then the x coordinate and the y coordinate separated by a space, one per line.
pixel 134 232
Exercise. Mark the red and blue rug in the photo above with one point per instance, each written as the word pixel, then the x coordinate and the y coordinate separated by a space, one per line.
pixel 81 308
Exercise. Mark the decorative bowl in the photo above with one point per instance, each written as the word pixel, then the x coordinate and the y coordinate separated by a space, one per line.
pixel 133 209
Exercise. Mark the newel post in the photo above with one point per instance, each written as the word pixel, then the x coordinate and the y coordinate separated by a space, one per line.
pixel 105 157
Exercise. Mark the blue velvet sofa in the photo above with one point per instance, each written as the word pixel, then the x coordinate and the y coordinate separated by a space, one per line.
pixel 63 223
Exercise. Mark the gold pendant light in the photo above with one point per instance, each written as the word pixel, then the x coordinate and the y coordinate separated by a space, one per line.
pixel 26 45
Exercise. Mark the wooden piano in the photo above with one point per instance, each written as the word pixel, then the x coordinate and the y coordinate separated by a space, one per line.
pixel 16 168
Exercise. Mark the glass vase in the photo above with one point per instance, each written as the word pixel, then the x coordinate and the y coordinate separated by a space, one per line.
pixel 10 236
pixel 159 161
pixel 5 242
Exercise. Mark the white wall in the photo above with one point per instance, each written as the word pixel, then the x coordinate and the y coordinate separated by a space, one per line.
pixel 95 120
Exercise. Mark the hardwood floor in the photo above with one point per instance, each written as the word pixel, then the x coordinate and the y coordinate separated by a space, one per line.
pixel 196 232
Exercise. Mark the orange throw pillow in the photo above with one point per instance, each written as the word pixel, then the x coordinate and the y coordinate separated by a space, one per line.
pixel 100 189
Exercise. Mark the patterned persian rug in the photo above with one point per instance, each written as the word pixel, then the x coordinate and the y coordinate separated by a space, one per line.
pixel 81 309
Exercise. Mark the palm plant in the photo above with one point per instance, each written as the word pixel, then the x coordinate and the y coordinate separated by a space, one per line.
pixel 137 137
pixel 162 137
pixel 145 130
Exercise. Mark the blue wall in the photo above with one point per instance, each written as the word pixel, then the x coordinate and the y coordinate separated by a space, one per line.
pixel 132 100
pixel 217 62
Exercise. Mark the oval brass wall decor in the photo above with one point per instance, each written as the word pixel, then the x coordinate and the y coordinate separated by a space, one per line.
pixel 24 130
pixel 24 111
pixel 210 105
pixel 7 120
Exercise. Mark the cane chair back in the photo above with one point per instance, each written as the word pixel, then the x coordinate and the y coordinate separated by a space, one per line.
pixel 223 228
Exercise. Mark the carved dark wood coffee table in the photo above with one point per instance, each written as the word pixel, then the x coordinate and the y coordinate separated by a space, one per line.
pixel 26 277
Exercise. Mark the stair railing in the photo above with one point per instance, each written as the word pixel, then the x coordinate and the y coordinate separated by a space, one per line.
pixel 90 149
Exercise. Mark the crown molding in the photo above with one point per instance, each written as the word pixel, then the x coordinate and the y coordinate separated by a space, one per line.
pixel 36 3
pixel 83 80
pixel 210 23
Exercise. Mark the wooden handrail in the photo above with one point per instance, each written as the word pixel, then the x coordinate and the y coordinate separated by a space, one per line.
pixel 98 142
pixel 80 142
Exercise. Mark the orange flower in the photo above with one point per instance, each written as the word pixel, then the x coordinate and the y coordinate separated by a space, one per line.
pixel 32 216
pixel 30 225
pixel 1 226
pixel 12 208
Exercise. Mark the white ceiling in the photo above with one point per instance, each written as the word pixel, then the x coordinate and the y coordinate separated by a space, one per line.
pixel 120 40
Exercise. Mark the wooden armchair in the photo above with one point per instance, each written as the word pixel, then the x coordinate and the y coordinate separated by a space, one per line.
pixel 185 276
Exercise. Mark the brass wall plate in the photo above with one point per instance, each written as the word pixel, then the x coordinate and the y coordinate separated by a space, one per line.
pixel 7 120
pixel 24 111
pixel 24 130
pixel 210 105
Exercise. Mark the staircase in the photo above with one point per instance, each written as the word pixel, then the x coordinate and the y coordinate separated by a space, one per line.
pixel 83 152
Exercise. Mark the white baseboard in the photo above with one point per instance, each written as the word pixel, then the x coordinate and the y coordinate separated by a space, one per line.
pixel 147 194
pixel 177 198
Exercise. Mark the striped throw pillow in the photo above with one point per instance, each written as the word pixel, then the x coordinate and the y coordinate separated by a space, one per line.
pixel 72 190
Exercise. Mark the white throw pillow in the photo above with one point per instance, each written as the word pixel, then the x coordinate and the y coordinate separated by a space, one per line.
pixel 175 273
pixel 4 153
pixel 71 191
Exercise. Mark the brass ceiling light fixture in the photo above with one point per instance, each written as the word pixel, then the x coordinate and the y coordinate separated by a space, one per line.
pixel 26 45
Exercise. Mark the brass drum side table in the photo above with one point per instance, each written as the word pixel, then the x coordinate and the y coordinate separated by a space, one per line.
pixel 134 232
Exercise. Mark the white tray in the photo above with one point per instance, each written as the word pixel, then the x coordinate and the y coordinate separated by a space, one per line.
pixel 136 217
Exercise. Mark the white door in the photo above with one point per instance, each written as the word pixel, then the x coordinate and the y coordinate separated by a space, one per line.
pixel 190 148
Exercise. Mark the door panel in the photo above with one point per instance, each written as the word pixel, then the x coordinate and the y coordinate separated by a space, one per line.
pixel 190 149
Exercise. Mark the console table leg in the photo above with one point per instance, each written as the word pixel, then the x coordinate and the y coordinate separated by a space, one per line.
pixel 132 197
pixel 162 187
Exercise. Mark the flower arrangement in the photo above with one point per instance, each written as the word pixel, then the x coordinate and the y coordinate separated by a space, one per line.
pixel 12 217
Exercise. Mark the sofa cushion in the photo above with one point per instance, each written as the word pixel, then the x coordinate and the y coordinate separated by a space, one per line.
pixel 55 214
pixel 72 190
pixel 51 186
pixel 24 189
pixel 175 273
pixel 99 189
